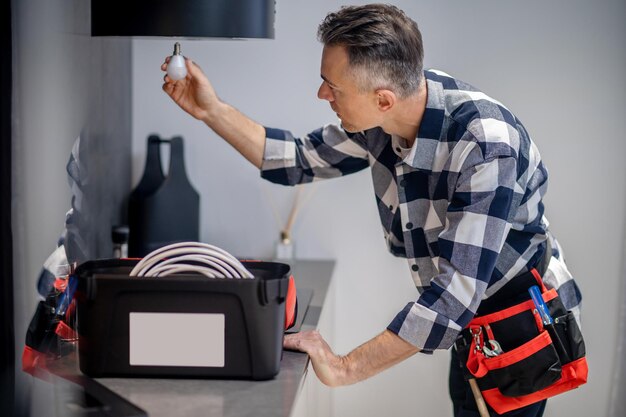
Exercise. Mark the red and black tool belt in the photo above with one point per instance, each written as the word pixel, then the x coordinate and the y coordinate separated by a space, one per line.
pixel 515 358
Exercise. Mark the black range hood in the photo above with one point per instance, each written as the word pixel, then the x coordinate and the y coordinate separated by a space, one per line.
pixel 183 18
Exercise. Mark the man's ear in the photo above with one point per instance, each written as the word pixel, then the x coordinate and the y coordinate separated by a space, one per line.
pixel 386 99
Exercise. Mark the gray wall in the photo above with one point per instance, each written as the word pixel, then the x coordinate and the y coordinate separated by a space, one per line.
pixel 558 65
pixel 66 84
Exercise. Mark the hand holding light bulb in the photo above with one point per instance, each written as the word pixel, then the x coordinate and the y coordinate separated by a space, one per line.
pixel 192 91
pixel 195 95
pixel 176 68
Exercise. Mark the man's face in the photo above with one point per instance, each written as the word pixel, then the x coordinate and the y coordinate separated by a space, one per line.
pixel 357 110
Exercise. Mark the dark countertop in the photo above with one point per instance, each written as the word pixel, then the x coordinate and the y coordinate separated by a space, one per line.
pixel 235 398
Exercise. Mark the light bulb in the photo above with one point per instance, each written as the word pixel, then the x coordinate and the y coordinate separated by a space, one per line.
pixel 176 68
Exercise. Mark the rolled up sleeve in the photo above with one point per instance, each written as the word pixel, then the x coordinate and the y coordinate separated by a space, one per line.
pixel 327 152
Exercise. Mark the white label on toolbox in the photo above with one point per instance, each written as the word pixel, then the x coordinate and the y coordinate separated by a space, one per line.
pixel 176 339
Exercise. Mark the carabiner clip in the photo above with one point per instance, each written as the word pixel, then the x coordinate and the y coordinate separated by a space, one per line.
pixel 476 332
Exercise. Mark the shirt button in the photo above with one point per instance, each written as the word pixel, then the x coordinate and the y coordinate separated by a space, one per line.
pixel 390 207
pixel 402 183
pixel 409 225
pixel 398 150
pixel 414 267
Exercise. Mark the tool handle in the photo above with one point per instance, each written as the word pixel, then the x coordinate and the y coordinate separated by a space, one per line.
pixel 478 396
pixel 541 306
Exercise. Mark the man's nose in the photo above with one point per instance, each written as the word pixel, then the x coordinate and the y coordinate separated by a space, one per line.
pixel 324 92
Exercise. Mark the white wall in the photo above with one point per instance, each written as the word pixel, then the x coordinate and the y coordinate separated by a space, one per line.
pixel 558 65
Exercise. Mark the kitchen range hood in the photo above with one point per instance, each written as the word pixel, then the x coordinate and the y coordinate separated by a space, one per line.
pixel 183 18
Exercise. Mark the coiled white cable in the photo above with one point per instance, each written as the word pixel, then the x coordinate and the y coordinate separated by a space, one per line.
pixel 208 260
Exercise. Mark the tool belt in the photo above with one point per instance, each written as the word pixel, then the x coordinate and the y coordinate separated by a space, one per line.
pixel 516 357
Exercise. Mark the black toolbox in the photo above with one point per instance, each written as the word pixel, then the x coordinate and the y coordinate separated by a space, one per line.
pixel 180 325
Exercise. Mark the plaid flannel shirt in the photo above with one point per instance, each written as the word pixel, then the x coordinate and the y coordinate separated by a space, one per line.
pixel 463 204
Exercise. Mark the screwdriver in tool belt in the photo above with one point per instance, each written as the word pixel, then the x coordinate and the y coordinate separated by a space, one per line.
pixel 540 305
pixel 548 322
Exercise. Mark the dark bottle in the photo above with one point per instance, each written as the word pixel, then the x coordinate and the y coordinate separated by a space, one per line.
pixel 119 236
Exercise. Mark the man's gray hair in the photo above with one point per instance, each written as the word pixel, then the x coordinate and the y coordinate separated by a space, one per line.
pixel 384 46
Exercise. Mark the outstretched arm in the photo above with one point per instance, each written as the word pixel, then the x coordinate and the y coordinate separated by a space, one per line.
pixel 374 356
pixel 196 96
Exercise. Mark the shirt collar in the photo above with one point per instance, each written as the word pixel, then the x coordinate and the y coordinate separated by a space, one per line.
pixel 424 148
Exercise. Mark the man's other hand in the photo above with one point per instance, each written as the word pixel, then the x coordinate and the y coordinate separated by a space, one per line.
pixel 329 368
pixel 372 357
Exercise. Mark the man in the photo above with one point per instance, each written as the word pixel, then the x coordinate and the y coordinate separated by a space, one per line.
pixel 458 181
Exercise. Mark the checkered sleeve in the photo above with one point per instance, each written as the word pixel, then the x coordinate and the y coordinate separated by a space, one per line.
pixel 327 152
pixel 476 226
